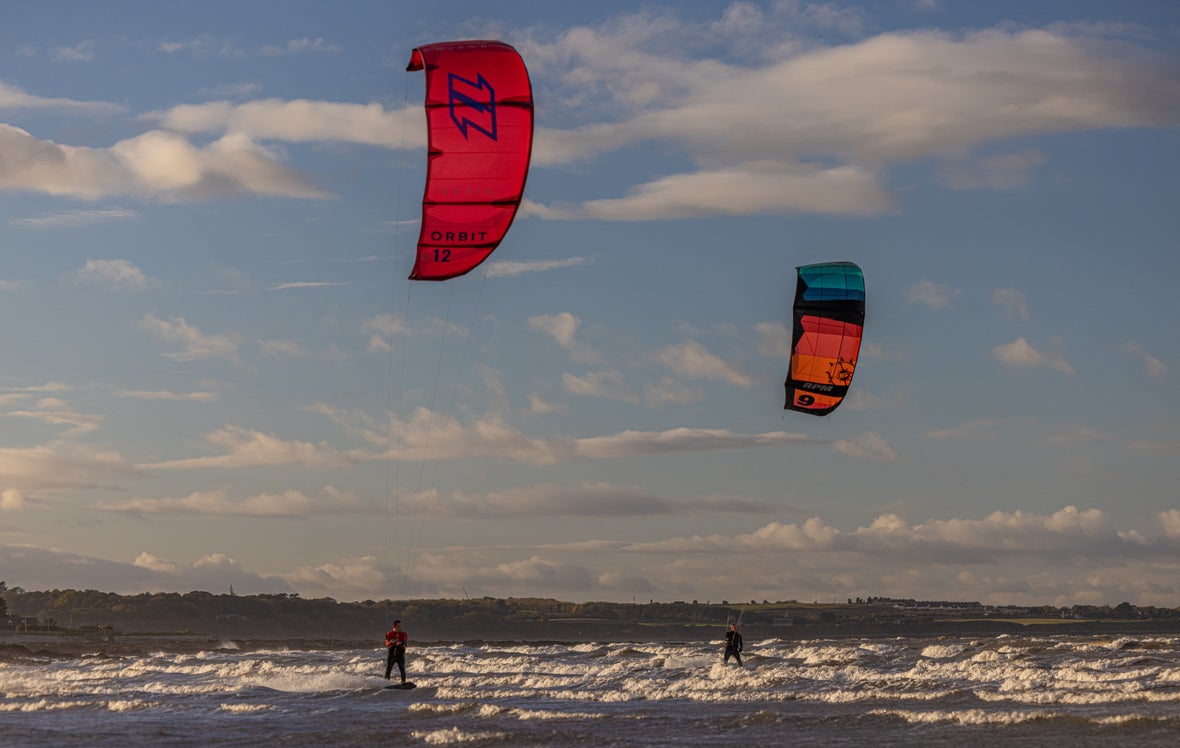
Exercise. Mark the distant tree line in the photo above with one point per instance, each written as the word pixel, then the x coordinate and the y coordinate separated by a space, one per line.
pixel 290 616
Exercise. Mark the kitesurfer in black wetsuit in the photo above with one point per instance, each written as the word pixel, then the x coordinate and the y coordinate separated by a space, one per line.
pixel 733 645
pixel 396 641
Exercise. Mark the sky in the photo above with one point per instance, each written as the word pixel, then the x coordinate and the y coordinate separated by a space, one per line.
pixel 216 373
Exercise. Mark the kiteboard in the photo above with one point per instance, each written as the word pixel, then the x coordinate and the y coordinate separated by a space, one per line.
pixel 401 686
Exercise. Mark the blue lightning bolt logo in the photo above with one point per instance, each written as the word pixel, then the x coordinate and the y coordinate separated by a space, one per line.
pixel 476 98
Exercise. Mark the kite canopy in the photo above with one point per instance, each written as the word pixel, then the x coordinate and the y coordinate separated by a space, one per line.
pixel 828 322
pixel 479 119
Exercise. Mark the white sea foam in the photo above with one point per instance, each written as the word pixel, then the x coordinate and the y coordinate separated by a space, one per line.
pixel 1126 719
pixel 965 716
pixel 454 736
pixel 130 705
pixel 943 651
pixel 1066 697
pixel 440 709
pixel 818 655
pixel 490 710
pixel 42 705
pixel 851 697
pixel 468 693
pixel 548 714
pixel 246 708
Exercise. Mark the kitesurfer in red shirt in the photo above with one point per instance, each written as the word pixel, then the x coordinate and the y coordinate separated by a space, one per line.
pixel 396 641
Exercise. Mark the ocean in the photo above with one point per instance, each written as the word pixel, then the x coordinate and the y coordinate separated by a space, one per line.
pixel 983 691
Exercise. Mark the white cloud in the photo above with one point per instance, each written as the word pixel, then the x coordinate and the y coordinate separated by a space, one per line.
pixel 115 273
pixel 1156 369
pixel 930 294
pixel 510 269
pixel 198 396
pixel 149 561
pixel 12 97
pixel 196 345
pixel 54 412
pixel 305 284
pixel 867 445
pixel 693 361
pixel 670 390
pixel 994 172
pixel 581 500
pixel 893 97
pixel 285 504
pixel 774 340
pixel 166 163
pixel 1062 558
pixel 609 384
pixel 43 569
pixel 285 348
pixel 72 218
pixel 1170 522
pixel 18 394
pixel 488 570
pixel 388 326
pixel 538 406
pixel 563 328
pixel 349 578
pixel 11 500
pixel 1020 354
pixel 1012 302
pixel 298 46
pixel 155 164
pixel 300 121
pixel 61 466
pixel 445 438
pixel 746 189
pixel 247 448
pixel 203 46
pixel 1065 557
pixel 81 52
pixel 835 116
pixel 628 443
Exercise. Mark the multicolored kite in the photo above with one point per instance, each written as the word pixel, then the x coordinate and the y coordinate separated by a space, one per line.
pixel 479 116
pixel 829 321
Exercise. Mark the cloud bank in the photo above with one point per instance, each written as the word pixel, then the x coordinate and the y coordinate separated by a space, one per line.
pixel 1071 556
